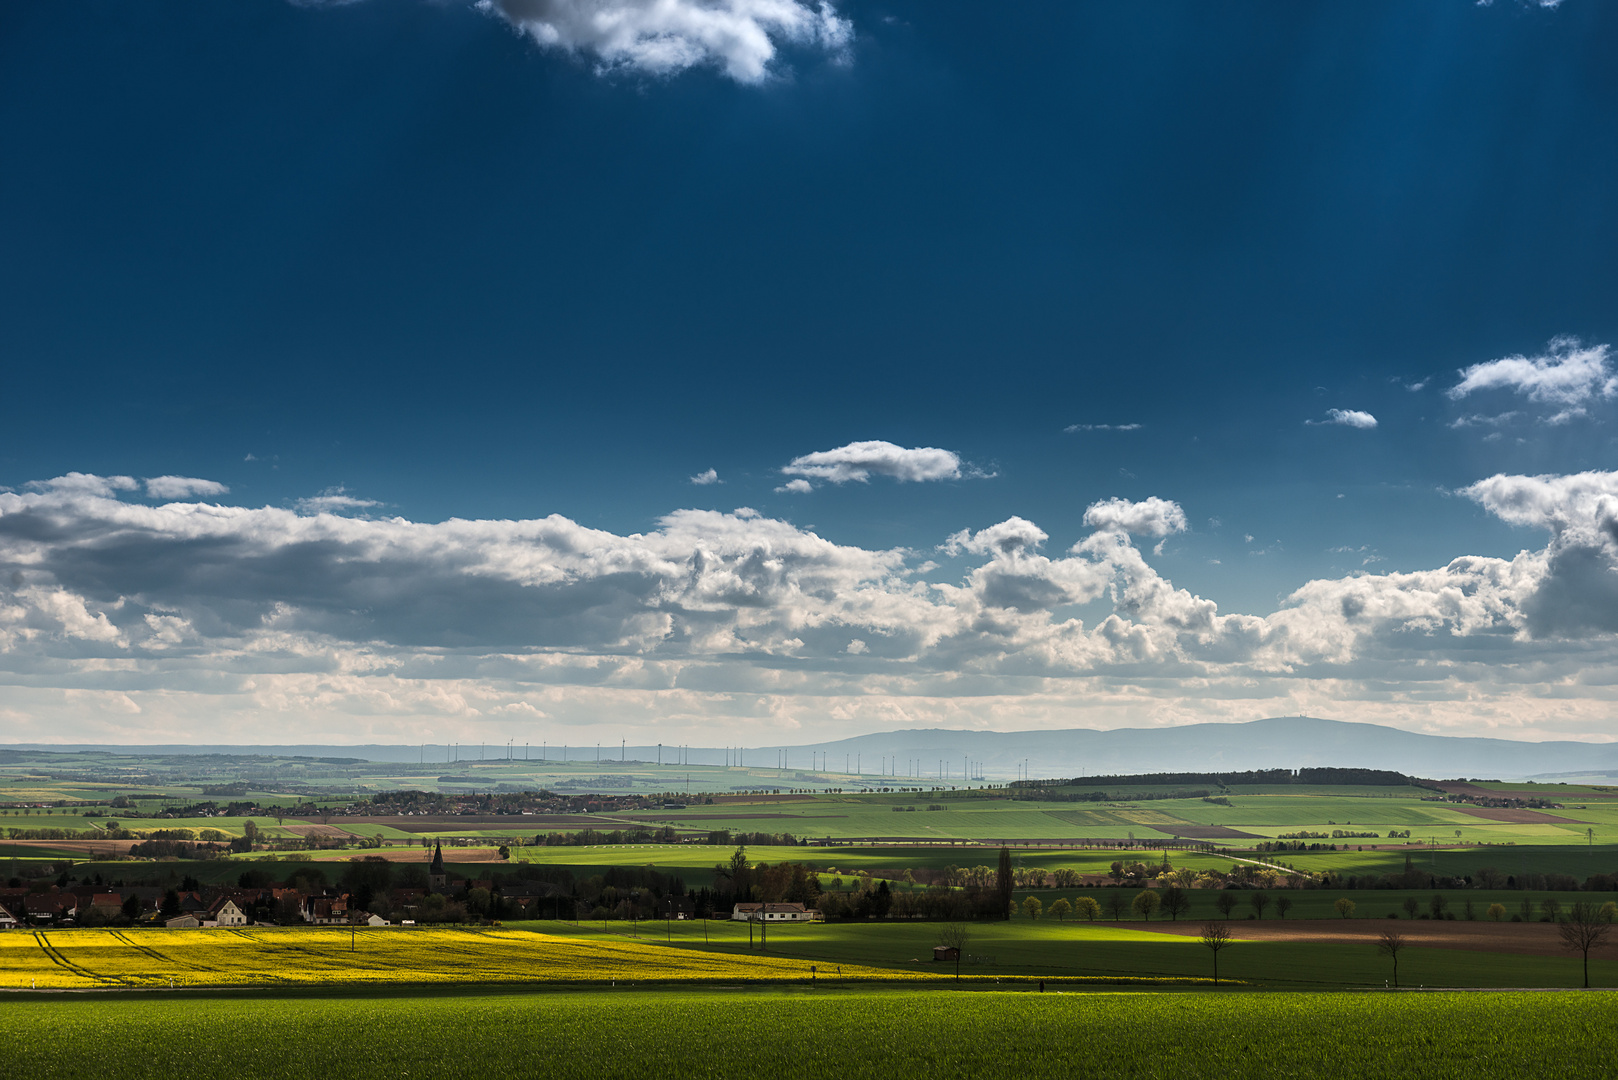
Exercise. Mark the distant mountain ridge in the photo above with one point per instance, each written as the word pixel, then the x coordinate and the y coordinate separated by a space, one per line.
pixel 1287 742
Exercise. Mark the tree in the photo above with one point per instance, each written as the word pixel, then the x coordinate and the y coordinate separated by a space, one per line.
pixel 1176 902
pixel 1031 907
pixel 1146 901
pixel 1283 903
pixel 1226 903
pixel 737 873
pixel 1496 912
pixel 504 852
pixel 1388 944
pixel 1116 904
pixel 1583 931
pixel 955 936
pixel 1004 882
pixel 1260 900
pixel 1437 905
pixel 1061 909
pixel 1608 912
pixel 1412 905
pixel 1345 907
pixel 1216 938
pixel 1550 909
pixel 1088 908
pixel 250 832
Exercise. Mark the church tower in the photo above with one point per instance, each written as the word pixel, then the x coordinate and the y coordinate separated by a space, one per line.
pixel 435 873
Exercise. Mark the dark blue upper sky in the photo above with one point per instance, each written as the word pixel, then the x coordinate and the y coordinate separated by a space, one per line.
pixel 397 247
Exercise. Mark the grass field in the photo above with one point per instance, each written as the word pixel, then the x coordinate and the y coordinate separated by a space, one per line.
pixel 1056 951
pixel 816 1034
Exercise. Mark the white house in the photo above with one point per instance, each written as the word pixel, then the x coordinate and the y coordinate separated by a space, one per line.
pixel 792 913
pixel 227 914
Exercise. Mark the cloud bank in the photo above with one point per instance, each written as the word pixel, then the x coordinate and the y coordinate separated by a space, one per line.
pixel 189 612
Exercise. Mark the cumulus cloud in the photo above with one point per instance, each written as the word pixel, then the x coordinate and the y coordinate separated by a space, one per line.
pixel 1007 538
pixel 1354 418
pixel 85 483
pixel 858 461
pixel 182 487
pixel 796 487
pixel 707 476
pixel 194 610
pixel 665 37
pixel 1568 375
pixel 1149 517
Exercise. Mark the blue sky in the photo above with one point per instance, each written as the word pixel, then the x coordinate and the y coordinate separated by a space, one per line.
pixel 1322 292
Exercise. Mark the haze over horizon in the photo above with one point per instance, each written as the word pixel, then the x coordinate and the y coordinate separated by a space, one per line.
pixel 724 372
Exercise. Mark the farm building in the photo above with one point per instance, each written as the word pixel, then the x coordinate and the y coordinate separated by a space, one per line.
pixel 226 913
pixel 946 952
pixel 772 913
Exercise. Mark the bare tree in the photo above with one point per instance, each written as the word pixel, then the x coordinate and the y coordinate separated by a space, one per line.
pixel 1388 944
pixel 1216 937
pixel 1260 900
pixel 1283 903
pixel 1582 932
pixel 955 936
pixel 1175 901
pixel 1226 903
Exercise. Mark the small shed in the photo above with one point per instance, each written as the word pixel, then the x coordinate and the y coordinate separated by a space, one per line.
pixel 946 952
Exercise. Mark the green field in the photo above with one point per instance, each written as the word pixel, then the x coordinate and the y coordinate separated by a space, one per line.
pixel 813 1034
pixel 1049 950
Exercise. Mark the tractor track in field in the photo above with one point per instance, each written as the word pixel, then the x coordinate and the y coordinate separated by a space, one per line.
pixel 164 958
pixel 59 960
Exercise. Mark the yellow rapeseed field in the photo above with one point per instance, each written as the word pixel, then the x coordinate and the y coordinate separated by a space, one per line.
pixel 81 959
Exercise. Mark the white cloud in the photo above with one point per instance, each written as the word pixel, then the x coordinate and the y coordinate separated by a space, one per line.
pixel 1012 536
pixel 86 484
pixel 181 487
pixel 1581 501
pixel 796 487
pixel 1150 517
pixel 1101 427
pixel 335 500
pixel 708 476
pixel 1354 418
pixel 858 461
pixel 1568 374
pixel 665 37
